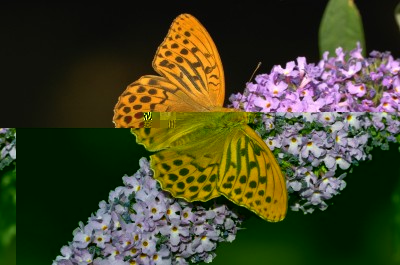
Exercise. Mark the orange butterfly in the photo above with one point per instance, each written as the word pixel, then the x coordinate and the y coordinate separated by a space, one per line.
pixel 208 154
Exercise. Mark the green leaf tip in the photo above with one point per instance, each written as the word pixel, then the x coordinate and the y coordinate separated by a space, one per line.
pixel 341 26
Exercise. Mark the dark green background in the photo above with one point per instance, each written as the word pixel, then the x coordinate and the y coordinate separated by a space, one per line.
pixel 67 172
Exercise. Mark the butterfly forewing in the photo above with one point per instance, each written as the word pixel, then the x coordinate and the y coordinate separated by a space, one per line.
pixel 192 76
pixel 189 59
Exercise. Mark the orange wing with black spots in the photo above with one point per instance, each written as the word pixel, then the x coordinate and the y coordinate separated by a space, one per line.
pixel 192 77
pixel 210 154
pixel 250 176
pixel 191 171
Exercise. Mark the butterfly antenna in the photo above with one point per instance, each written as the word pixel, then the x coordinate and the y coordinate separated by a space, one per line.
pixel 252 75
pixel 255 70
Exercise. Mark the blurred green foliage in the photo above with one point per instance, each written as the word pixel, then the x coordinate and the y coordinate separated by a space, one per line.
pixel 397 14
pixel 8 199
pixel 341 26
pixel 8 209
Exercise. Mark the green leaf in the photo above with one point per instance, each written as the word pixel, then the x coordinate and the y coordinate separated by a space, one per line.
pixel 341 26
pixel 397 14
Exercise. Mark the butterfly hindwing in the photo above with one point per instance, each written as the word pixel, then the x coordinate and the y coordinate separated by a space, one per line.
pixel 190 171
pixel 150 94
pixel 250 176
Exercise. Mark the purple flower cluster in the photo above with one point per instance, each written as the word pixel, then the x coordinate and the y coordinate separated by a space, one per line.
pixel 141 224
pixel 355 84
pixel 311 147
pixel 319 118
pixel 8 145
